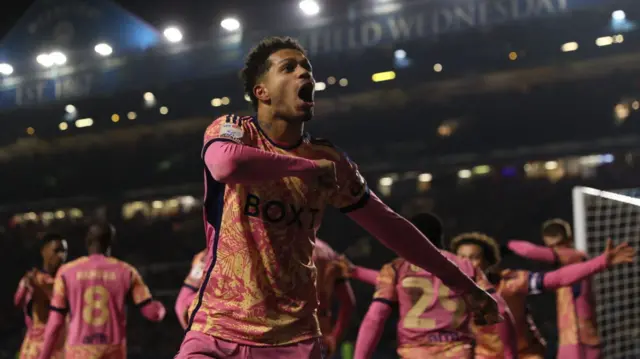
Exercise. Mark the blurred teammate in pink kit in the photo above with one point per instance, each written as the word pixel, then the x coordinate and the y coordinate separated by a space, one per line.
pixel 515 285
pixel 267 184
pixel 434 320
pixel 34 296
pixel 94 290
pixel 578 334
pixel 190 288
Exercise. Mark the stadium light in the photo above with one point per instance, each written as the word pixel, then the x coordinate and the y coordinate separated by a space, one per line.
pixel 437 68
pixel 309 7
pixel 148 96
pixel 464 174
pixel 344 82
pixel 425 177
pixel 103 49
pixel 230 24
pixel 386 181
pixel 58 58
pixel 70 109
pixel 6 69
pixel 383 76
pixel 618 15
pixel 84 122
pixel 164 110
pixel 44 60
pixel 320 86
pixel 569 46
pixel 400 54
pixel 173 34
pixel 51 59
pixel 63 126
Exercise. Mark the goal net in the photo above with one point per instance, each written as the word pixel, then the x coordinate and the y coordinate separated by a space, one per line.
pixel 598 215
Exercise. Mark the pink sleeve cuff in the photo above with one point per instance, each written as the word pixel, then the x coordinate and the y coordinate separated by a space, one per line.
pixel 153 311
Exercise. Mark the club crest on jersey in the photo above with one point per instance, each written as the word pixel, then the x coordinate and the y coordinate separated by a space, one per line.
pixel 231 131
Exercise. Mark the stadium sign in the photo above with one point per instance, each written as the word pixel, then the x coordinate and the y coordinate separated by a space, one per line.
pixel 428 20
pixel 136 71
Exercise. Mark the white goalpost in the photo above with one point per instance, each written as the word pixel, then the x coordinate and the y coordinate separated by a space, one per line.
pixel 597 216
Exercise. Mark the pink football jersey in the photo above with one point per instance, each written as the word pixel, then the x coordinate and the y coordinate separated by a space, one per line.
pixel 94 290
pixel 259 284
pixel 430 313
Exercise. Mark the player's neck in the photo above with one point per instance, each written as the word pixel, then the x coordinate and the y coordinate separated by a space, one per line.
pixel 279 130
pixel 49 268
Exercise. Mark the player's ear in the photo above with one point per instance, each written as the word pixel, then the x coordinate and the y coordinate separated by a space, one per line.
pixel 261 92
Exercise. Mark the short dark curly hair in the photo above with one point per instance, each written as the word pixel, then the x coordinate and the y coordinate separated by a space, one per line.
pixel 257 62
pixel 557 227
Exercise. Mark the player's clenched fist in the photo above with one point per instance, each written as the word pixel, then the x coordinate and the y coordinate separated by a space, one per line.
pixel 326 173
pixel 484 307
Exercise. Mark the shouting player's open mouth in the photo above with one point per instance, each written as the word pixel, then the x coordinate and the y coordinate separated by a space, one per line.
pixel 305 93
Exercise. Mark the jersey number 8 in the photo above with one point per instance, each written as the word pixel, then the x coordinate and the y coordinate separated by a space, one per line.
pixel 95 309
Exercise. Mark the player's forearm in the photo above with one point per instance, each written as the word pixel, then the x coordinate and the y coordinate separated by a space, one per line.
pixel 185 297
pixel 347 301
pixel 402 237
pixel 233 163
pixel 51 332
pixel 371 330
pixel 21 294
pixel 153 311
pixel 531 251
pixel 573 273
pixel 365 275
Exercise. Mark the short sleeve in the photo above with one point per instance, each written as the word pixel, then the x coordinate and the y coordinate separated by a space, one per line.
pixel 227 128
pixel 140 293
pixel 353 191
pixel 386 285
pixel 59 295
pixel 195 274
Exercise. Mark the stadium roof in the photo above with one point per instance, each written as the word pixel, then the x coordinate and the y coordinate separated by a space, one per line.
pixel 69 25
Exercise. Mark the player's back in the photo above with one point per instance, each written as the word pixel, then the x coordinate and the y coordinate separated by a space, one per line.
pixel 96 289
pixel 430 312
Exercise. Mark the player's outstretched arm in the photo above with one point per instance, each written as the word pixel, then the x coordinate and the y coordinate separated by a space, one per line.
pixel 573 273
pixel 545 254
pixel 365 275
pixel 51 333
pixel 230 162
pixel 347 301
pixel 371 329
pixel 399 235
